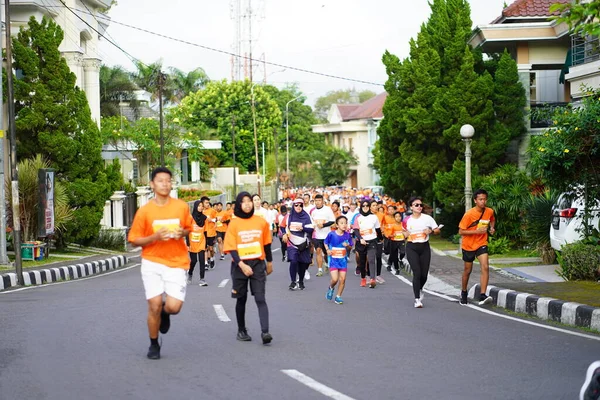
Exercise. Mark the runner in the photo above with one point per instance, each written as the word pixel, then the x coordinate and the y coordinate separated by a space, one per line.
pixel 397 243
pixel 418 227
pixel 337 244
pixel 221 227
pixel 376 209
pixel 159 227
pixel 473 228
pixel 367 232
pixel 323 219
pixel 282 225
pixel 248 240
pixel 298 232
pixel 197 243
pixel 259 210
pixel 210 232
pixel 387 225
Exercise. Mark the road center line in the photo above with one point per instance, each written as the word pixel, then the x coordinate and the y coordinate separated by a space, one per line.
pixel 223 283
pixel 221 314
pixel 311 383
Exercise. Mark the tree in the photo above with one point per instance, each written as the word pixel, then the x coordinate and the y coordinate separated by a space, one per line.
pixel 334 165
pixel 53 118
pixel 186 83
pixel 323 103
pixel 116 86
pixel 432 94
pixel 583 17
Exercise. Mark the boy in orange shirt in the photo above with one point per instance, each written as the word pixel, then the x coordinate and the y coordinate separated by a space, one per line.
pixel 248 240
pixel 473 228
pixel 159 227
pixel 221 227
pixel 210 231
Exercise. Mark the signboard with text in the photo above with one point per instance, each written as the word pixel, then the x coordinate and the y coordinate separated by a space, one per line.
pixel 46 202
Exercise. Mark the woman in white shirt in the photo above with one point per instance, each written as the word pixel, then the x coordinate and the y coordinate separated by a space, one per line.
pixel 418 227
pixel 367 231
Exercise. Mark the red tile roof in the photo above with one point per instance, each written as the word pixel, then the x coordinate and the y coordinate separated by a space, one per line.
pixel 346 110
pixel 531 8
pixel 372 108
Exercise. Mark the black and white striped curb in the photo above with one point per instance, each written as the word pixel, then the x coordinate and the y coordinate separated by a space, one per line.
pixel 69 272
pixel 565 312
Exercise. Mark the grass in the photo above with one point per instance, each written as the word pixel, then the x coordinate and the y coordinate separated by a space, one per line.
pixel 441 243
pixel 516 254
pixel 54 257
pixel 509 265
pixel 583 292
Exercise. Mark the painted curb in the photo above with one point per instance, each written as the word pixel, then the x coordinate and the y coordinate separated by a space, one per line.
pixel 546 308
pixel 69 272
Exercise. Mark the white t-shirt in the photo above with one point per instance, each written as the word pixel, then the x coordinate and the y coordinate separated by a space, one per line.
pixel 323 214
pixel 416 228
pixel 309 208
pixel 367 226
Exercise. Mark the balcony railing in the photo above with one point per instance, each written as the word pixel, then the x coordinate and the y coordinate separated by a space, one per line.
pixel 584 49
pixel 541 114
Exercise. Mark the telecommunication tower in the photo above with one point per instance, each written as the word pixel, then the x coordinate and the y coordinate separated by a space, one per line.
pixel 248 61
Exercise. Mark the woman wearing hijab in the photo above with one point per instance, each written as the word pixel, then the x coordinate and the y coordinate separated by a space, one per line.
pixel 248 240
pixel 197 242
pixel 367 231
pixel 299 229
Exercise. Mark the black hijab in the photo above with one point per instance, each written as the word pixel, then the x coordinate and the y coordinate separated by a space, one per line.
pixel 362 212
pixel 237 208
pixel 199 217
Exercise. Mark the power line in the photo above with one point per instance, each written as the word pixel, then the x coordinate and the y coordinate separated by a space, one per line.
pixel 213 49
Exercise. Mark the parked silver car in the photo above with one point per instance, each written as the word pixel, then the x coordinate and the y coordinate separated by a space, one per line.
pixel 567 219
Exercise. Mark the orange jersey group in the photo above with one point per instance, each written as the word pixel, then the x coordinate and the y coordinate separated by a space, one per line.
pixel 152 217
pixel 222 220
pixel 196 239
pixel 473 242
pixel 387 223
pixel 248 237
pixel 209 225
pixel 397 232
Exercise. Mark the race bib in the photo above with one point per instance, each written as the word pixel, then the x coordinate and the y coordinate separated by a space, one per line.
pixel 249 251
pixel 483 223
pixel 219 223
pixel 195 236
pixel 417 237
pixel 295 226
pixel 338 252
pixel 366 232
pixel 398 235
pixel 171 224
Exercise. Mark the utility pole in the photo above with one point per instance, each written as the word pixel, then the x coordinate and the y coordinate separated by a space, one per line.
pixel 13 149
pixel 234 194
pixel 250 35
pixel 3 256
pixel 276 162
pixel 161 82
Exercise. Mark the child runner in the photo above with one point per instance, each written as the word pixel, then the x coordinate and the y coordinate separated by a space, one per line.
pixel 197 243
pixel 397 242
pixel 338 243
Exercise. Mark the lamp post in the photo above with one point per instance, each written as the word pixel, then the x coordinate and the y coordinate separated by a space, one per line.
pixel 466 132
pixel 287 134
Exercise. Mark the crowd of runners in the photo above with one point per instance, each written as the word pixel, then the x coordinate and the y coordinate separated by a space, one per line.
pixel 321 231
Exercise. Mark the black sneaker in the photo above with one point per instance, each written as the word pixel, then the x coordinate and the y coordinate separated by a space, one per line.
pixel 165 321
pixel 266 337
pixel 357 271
pixel 484 299
pixel 212 264
pixel 397 271
pixel 222 257
pixel 301 285
pixel 293 286
pixel 283 258
pixel 154 352
pixel 463 298
pixel 243 336
pixel 591 387
pixel 389 268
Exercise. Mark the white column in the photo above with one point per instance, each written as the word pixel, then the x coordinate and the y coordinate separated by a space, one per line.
pixel 143 195
pixel 106 217
pixel 195 171
pixel 174 192
pixel 75 62
pixel 117 208
pixel 91 68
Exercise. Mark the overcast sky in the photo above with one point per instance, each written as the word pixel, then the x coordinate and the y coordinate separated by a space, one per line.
pixel 337 37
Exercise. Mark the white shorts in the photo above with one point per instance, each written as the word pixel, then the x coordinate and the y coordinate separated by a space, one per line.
pixel 159 279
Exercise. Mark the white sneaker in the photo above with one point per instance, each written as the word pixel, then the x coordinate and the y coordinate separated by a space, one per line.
pixel 418 303
pixel 202 283
pixel 379 280
pixel 422 296
pixel 307 275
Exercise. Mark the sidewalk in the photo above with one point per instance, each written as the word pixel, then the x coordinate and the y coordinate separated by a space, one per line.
pixel 449 268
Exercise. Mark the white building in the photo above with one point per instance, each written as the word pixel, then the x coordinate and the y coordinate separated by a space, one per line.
pixel 353 127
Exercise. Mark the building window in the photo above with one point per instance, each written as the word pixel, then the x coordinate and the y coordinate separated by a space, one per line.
pixel 350 148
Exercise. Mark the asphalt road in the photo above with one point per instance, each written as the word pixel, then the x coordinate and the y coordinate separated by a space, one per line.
pixel 87 339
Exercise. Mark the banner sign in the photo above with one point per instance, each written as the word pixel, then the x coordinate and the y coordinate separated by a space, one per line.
pixel 46 202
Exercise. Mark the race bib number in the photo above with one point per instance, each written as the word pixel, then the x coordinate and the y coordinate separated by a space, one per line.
pixel 249 251
pixel 483 223
pixel 417 237
pixel 195 237
pixel 338 252
pixel 366 232
pixel 296 226
pixel 219 223
pixel 398 235
pixel 171 224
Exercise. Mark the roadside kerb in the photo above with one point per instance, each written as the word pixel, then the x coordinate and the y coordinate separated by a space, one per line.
pixel 546 308
pixel 68 272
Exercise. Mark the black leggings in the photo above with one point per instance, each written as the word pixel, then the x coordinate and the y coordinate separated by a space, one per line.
pixel 368 253
pixel 263 311
pixel 283 247
pixel 419 257
pixel 378 256
pixel 397 250
pixel 194 258
pixel 297 268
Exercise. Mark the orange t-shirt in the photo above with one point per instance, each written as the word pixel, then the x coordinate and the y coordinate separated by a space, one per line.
pixel 222 219
pixel 473 242
pixel 248 237
pixel 387 223
pixel 151 217
pixel 209 225
pixel 397 234
pixel 197 239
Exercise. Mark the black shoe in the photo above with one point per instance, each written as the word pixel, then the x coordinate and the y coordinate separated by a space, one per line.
pixel 485 299
pixel 389 268
pixel 293 286
pixel 154 352
pixel 463 298
pixel 397 272
pixel 301 285
pixel 266 337
pixel 165 321
pixel 212 263
pixel 591 387
pixel 283 258
pixel 222 257
pixel 243 336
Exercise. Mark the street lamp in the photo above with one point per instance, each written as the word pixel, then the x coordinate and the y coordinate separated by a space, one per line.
pixel 287 135
pixel 466 132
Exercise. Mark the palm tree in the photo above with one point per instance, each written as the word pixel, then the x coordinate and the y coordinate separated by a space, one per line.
pixel 115 86
pixel 184 84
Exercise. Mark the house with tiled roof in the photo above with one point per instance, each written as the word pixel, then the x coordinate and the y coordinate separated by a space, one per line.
pixel 353 127
pixel 541 47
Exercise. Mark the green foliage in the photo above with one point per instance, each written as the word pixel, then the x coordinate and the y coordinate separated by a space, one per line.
pixel 110 239
pixel 433 93
pixel 190 194
pixel 334 165
pixel 579 261
pixel 115 86
pixel 323 103
pixel 538 220
pixel 508 194
pixel 498 245
pixel 583 17
pixel 53 118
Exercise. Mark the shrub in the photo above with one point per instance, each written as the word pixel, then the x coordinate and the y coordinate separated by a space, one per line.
pixel 498 245
pixel 110 239
pixel 195 194
pixel 539 219
pixel 579 261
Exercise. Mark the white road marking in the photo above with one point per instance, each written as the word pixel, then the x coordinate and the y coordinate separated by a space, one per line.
pixel 221 314
pixel 277 249
pixel 223 283
pixel 311 383
pixel 486 311
pixel 71 281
